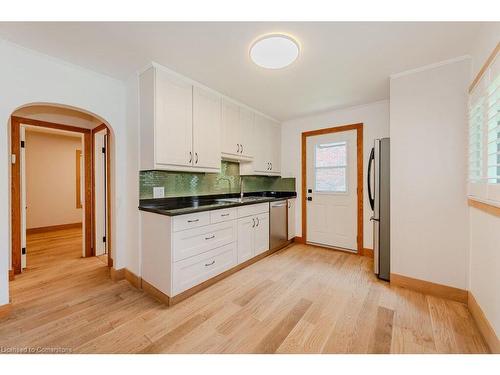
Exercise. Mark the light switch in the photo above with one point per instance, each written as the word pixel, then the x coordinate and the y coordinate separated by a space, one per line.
pixel 158 192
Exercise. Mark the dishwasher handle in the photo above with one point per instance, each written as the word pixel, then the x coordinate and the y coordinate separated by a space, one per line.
pixel 278 204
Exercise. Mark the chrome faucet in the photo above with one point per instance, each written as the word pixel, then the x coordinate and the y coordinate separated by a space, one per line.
pixel 241 187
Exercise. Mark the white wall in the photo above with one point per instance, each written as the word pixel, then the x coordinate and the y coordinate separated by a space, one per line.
pixel 29 77
pixel 485 43
pixel 374 116
pixel 484 270
pixel 133 252
pixel 429 214
pixel 51 179
pixel 485 264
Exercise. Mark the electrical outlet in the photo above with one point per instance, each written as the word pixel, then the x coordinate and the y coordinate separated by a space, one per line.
pixel 158 192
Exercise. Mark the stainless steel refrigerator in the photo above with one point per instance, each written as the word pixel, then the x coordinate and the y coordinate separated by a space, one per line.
pixel 379 196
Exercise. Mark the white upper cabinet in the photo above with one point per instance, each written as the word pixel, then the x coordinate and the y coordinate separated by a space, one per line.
pixel 206 129
pixel 230 128
pixel 266 149
pixel 237 131
pixel 275 141
pixel 185 126
pixel 180 124
pixel 173 120
pixel 247 133
pixel 263 146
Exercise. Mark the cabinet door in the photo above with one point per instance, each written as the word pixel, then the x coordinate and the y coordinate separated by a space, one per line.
pixel 261 233
pixel 246 228
pixel 262 144
pixel 230 128
pixel 173 120
pixel 291 218
pixel 247 132
pixel 275 147
pixel 206 129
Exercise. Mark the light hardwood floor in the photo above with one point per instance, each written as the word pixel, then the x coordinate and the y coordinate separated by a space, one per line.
pixel 302 299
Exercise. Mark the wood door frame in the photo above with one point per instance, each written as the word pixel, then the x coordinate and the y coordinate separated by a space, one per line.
pixel 15 145
pixel 108 192
pixel 359 147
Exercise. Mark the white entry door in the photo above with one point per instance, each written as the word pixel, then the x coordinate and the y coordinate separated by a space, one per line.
pixel 22 135
pixel 332 190
pixel 100 191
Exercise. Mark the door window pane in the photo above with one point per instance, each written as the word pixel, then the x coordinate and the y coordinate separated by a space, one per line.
pixel 331 167
pixel 331 155
pixel 331 180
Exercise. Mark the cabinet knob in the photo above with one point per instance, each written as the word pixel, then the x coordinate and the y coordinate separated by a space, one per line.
pixel 190 157
pixel 241 151
pixel 196 157
pixel 238 148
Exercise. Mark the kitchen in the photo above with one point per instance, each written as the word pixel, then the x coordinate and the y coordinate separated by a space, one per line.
pixel 267 220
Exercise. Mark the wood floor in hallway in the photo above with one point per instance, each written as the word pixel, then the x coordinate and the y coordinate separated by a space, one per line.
pixel 301 299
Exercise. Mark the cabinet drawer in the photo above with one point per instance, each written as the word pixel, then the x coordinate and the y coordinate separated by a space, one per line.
pixel 193 271
pixel 253 209
pixel 195 220
pixel 188 243
pixel 218 216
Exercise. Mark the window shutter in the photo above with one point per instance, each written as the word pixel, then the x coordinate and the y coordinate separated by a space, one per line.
pixel 493 125
pixel 484 136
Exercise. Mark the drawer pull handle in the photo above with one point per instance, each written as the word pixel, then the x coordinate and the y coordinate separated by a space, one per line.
pixel 193 221
pixel 209 238
pixel 224 215
pixel 253 226
pixel 258 221
pixel 209 264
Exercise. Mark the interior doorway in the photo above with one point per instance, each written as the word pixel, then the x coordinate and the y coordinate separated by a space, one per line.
pixel 44 155
pixel 332 187
pixel 100 190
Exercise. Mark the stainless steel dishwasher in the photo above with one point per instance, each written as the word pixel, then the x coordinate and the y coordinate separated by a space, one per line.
pixel 278 231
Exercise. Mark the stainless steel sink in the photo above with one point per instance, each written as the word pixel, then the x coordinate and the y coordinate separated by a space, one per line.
pixel 243 200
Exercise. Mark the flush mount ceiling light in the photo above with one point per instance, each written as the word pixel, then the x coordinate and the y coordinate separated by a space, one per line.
pixel 274 51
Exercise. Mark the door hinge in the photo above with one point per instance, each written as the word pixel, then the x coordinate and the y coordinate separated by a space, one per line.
pixel 104 150
pixel 22 144
pixel 23 251
pixel 104 239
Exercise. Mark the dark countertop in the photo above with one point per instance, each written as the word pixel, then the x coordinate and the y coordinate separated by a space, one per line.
pixel 189 205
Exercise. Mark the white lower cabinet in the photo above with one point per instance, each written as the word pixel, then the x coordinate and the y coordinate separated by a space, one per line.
pixel 261 230
pixel 191 242
pixel 245 238
pixel 291 218
pixel 193 271
pixel 183 251
pixel 253 236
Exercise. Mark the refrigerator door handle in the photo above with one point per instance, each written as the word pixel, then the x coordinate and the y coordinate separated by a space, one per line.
pixel 371 197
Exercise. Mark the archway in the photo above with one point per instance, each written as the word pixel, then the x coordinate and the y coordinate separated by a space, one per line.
pixel 63 118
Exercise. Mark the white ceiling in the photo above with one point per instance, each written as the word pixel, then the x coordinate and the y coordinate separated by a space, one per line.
pixel 340 64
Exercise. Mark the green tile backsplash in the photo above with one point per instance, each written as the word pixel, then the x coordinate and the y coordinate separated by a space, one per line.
pixel 181 184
